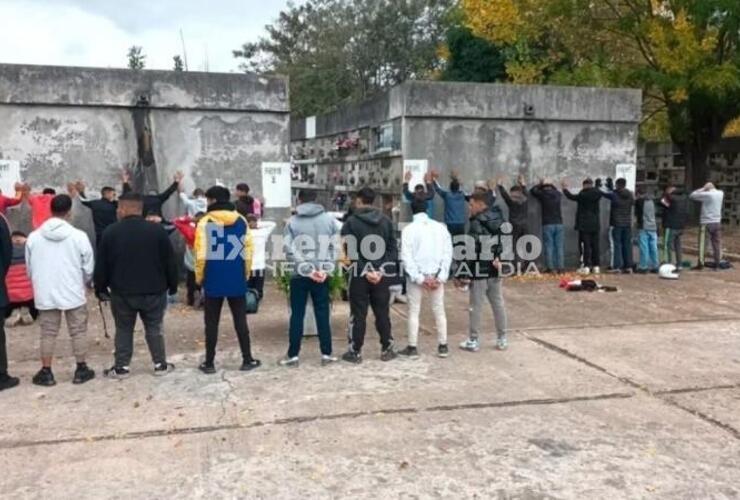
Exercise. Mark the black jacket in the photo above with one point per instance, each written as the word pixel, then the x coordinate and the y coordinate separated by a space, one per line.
pixel 675 210
pixel 6 256
pixel 153 202
pixel 621 208
pixel 103 212
pixel 244 205
pixel 135 257
pixel 369 221
pixel 518 206
pixel 549 198
pixel 485 225
pixel 588 213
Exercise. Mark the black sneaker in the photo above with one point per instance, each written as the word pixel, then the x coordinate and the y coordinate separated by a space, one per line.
pixel 83 374
pixel 388 354
pixel 248 366
pixel 641 271
pixel 352 357
pixel 409 352
pixel 443 351
pixel 206 368
pixel 8 382
pixel 117 372
pixel 44 378
pixel 162 369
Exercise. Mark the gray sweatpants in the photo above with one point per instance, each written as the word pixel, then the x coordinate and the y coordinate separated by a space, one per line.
pixel 50 322
pixel 492 290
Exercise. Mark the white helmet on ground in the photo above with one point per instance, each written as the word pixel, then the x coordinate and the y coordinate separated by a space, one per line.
pixel 668 272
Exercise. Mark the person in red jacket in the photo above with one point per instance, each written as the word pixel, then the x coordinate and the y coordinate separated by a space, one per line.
pixel 21 309
pixel 6 202
pixel 40 205
pixel 186 226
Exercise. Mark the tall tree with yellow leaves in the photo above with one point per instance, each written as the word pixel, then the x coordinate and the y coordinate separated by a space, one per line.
pixel 684 54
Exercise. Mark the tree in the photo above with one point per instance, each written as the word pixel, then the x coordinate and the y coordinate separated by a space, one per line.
pixel 684 54
pixel 336 51
pixel 472 59
pixel 178 64
pixel 136 60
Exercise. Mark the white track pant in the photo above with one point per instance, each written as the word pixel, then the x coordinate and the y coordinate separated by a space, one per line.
pixel 414 293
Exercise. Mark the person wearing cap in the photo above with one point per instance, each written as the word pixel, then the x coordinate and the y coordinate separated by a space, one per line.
pixel 588 223
pixel 552 224
pixel 421 192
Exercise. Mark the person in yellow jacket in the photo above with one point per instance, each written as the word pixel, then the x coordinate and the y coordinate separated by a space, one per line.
pixel 223 256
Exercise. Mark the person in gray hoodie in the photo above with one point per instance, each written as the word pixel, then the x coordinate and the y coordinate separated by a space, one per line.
pixel 711 200
pixel 310 244
pixel 59 261
pixel 647 226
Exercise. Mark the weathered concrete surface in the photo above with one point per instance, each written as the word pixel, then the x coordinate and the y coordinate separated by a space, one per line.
pixel 64 124
pixel 626 395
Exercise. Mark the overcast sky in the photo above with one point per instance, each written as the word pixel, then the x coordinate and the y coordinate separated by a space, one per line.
pixel 99 32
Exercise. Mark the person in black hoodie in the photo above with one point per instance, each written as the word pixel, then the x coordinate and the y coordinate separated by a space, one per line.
pixel 370 275
pixel 588 223
pixel 552 224
pixel 103 210
pixel 518 202
pixel 620 219
pixel 482 270
pixel 135 269
pixel 6 254
pixel 675 205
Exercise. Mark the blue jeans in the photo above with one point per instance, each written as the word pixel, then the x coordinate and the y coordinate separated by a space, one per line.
pixel 622 237
pixel 552 234
pixel 648 249
pixel 300 288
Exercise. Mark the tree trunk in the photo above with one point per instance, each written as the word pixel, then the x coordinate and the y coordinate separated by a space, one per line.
pixel 697 165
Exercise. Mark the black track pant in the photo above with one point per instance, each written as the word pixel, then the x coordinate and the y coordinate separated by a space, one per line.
pixel 590 246
pixel 361 295
pixel 238 306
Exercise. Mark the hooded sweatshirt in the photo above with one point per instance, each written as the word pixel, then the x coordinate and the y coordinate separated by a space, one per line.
pixel 40 208
pixel 675 210
pixel 59 261
pixel 455 205
pixel 483 227
pixel 370 222
pixel 621 208
pixel 549 198
pixel 223 252
pixel 518 204
pixel 309 239
pixel 588 211
pixel 711 205
pixel 645 213
pixel 194 206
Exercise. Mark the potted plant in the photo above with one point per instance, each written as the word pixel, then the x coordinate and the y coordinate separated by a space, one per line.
pixel 337 286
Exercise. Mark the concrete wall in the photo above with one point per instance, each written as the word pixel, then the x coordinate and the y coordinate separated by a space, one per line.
pixel 65 123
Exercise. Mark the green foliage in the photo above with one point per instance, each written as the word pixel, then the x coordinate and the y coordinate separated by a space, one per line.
pixel 136 60
pixel 472 59
pixel 336 51
pixel 337 282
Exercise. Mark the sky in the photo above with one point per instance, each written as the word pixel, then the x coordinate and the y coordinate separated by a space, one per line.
pixel 99 32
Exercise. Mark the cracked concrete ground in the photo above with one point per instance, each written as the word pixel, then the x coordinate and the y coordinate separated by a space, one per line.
pixel 633 394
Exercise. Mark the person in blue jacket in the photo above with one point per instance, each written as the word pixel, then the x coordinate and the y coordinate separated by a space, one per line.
pixel 455 204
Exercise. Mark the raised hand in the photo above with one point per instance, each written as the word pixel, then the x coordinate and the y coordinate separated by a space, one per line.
pixel 125 176
pixel 521 181
pixel 407 176
pixel 72 189
pixel 179 176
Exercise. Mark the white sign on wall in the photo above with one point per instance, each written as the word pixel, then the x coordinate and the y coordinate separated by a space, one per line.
pixel 418 169
pixel 276 185
pixel 628 172
pixel 10 173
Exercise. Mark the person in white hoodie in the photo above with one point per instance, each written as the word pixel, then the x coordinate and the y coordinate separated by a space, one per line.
pixel 426 254
pixel 195 205
pixel 711 200
pixel 60 262
pixel 260 231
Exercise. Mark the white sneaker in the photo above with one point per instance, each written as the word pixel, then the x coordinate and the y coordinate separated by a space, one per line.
pixel 14 319
pixel 328 360
pixel 289 362
pixel 584 271
pixel 26 317
pixel 470 345
pixel 596 270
